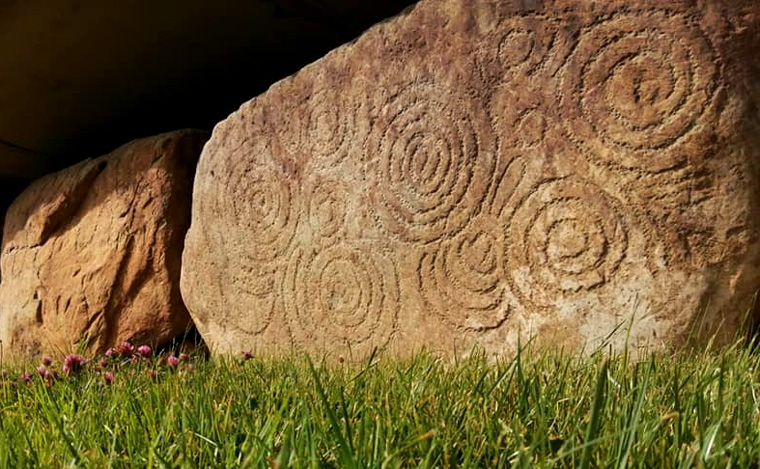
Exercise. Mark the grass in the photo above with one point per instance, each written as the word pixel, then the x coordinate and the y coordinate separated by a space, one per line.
pixel 537 410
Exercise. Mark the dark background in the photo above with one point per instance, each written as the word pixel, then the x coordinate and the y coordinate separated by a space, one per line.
pixel 82 77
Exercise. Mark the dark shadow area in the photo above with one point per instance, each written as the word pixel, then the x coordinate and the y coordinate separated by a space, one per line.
pixel 190 343
pixel 82 77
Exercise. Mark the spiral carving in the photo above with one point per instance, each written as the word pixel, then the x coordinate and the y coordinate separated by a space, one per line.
pixel 326 127
pixel 566 237
pixel 461 279
pixel 524 45
pixel 432 159
pixel 263 212
pixel 318 129
pixel 635 87
pixel 346 295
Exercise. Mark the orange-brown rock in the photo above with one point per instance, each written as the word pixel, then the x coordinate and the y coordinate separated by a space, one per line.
pixel 92 253
pixel 479 172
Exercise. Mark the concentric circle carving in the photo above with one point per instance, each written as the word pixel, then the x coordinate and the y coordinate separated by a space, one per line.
pixel 461 279
pixel 635 88
pixel 318 128
pixel 343 295
pixel 326 128
pixel 522 45
pixel 566 237
pixel 262 211
pixel 431 162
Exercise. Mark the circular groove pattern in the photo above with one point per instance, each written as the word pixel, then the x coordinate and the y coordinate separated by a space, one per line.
pixel 522 46
pixel 567 237
pixel 253 289
pixel 326 132
pixel 635 88
pixel 461 279
pixel 344 295
pixel 251 224
pixel 263 211
pixel 432 160
pixel 318 130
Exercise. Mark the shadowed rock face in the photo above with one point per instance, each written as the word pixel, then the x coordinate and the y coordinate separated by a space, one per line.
pixel 92 253
pixel 478 171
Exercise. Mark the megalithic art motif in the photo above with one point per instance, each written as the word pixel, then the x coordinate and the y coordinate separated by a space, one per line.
pixel 477 173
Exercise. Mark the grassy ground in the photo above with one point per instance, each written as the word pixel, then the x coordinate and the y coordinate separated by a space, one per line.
pixel 537 411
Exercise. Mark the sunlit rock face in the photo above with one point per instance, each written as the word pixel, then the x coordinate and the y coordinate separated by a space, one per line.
pixel 480 173
pixel 91 255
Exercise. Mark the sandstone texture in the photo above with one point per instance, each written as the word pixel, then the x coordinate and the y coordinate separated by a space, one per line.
pixel 480 173
pixel 92 253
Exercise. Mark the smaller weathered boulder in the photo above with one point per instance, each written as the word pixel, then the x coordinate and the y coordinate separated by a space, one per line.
pixel 91 255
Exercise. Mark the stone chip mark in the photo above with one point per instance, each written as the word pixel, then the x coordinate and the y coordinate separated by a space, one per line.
pixel 519 118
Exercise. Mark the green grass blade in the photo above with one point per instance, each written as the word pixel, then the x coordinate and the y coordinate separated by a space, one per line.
pixel 347 457
pixel 595 421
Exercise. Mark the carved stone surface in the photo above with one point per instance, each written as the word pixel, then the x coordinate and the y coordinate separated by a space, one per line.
pixel 92 253
pixel 480 172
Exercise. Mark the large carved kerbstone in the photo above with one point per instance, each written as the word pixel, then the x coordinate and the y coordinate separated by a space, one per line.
pixel 484 172
pixel 92 253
